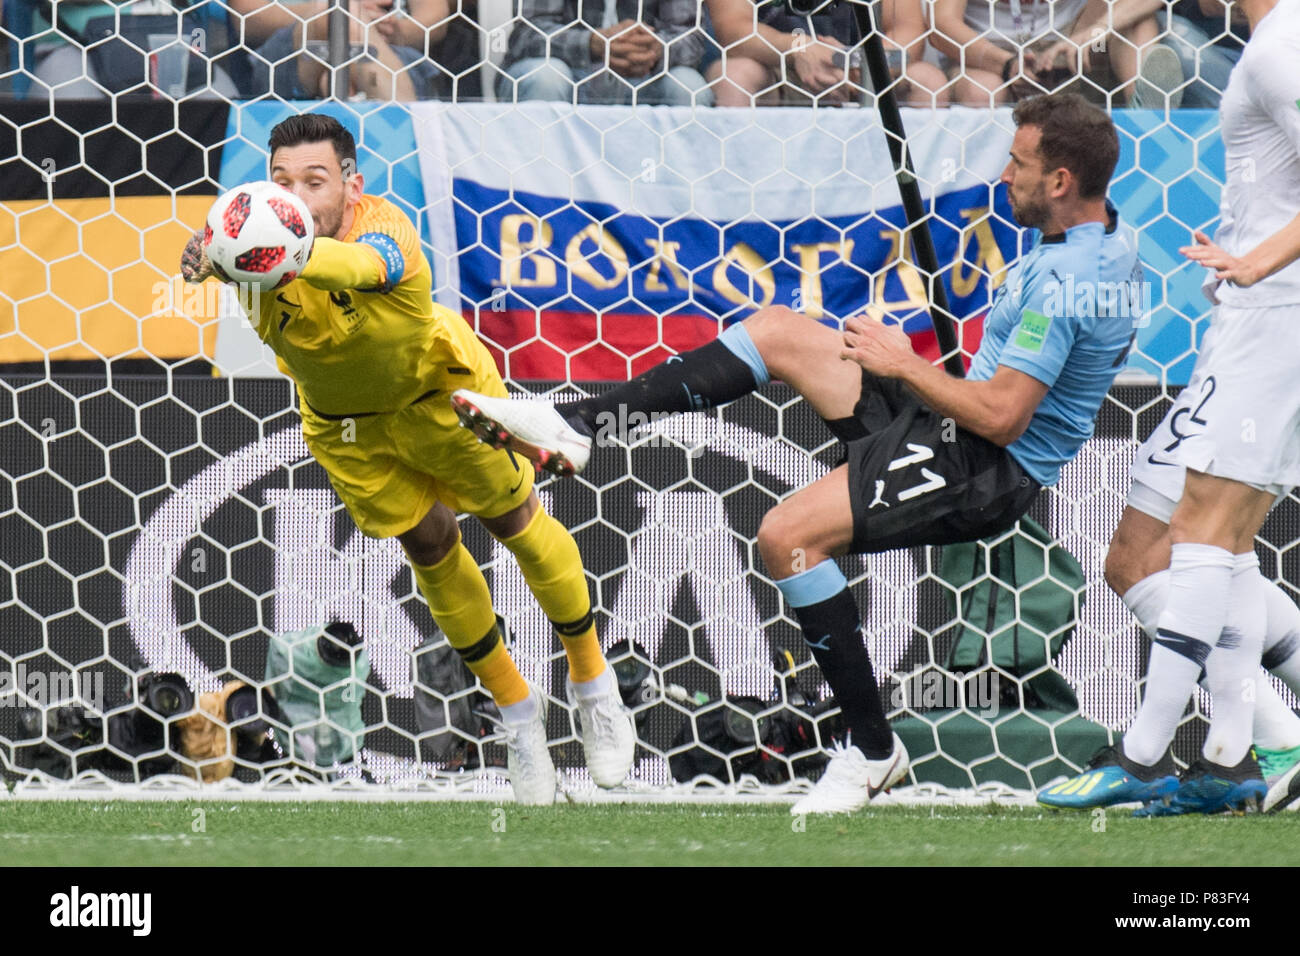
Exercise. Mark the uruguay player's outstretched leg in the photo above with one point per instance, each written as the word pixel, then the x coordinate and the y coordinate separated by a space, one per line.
pixel 722 371
pixel 548 558
pixel 799 540
pixel 774 342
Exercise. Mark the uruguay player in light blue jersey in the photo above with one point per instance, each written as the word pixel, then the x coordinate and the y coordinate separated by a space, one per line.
pixel 928 458
pixel 1066 318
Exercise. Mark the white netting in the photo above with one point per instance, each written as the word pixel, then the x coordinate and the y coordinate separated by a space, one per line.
pixel 160 511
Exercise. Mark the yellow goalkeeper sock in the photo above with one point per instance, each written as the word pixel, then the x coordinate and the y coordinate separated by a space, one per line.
pixel 496 669
pixel 548 557
pixel 458 598
pixel 586 659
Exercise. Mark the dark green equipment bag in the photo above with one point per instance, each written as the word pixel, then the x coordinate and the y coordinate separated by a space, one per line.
pixel 1027 572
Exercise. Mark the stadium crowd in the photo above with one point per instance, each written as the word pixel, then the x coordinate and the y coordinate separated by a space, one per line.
pixel 1140 53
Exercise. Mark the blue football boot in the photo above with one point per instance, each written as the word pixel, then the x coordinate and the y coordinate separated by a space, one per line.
pixel 1111 777
pixel 1206 787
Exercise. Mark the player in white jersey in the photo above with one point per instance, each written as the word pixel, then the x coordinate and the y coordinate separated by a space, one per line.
pixel 1140 768
pixel 1235 432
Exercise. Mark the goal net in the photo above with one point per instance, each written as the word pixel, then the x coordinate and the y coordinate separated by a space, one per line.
pixel 160 514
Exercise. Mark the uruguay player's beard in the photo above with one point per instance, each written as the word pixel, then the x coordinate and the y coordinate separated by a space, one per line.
pixel 1031 212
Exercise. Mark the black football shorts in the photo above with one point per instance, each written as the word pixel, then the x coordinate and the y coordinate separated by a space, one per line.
pixel 916 478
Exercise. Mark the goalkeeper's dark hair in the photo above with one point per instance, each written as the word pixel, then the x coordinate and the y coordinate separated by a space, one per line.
pixel 315 128
pixel 1076 135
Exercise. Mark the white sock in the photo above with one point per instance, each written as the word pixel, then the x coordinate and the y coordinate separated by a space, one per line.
pixel 1234 665
pixel 1282 636
pixel 1276 726
pixel 522 712
pixel 1147 600
pixel 596 687
pixel 1200 582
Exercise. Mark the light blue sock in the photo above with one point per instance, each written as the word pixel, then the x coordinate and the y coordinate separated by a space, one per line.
pixel 736 339
pixel 813 586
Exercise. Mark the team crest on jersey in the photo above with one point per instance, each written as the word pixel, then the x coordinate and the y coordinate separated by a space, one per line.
pixel 355 318
pixel 343 299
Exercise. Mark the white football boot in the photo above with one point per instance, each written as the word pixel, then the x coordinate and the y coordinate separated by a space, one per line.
pixel 850 780
pixel 528 760
pixel 530 426
pixel 608 729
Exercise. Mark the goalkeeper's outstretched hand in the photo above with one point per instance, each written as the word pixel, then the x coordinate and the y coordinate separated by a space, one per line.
pixel 195 265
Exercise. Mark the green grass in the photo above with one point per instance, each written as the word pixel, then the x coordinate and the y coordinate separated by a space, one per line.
pixel 87 833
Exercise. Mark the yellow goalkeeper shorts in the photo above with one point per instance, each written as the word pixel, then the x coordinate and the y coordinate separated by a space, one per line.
pixel 390 469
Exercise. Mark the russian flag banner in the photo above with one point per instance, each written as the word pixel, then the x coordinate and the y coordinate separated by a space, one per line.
pixel 589 243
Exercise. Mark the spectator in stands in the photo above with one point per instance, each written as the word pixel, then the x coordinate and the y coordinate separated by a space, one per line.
pixel 390 47
pixel 458 59
pixel 1208 40
pixel 774 56
pixel 619 51
pixel 1006 50
pixel 65 69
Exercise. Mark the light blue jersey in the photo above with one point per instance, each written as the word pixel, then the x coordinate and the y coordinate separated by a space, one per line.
pixel 1066 315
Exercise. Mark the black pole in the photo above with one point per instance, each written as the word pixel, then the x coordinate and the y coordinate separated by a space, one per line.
pixel 339 30
pixel 918 227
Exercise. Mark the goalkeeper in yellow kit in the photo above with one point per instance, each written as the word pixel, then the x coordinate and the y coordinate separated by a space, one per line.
pixel 375 362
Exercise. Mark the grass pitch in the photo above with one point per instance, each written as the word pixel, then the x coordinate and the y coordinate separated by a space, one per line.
pixel 212 833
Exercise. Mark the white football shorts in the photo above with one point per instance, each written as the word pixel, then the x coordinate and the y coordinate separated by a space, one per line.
pixel 1239 416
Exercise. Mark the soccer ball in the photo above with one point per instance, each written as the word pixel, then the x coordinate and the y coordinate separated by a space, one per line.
pixel 259 233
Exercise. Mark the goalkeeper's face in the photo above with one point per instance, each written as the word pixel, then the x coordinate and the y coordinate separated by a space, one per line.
pixel 314 173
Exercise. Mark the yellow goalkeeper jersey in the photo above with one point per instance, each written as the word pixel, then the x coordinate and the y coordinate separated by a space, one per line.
pixel 358 330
